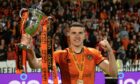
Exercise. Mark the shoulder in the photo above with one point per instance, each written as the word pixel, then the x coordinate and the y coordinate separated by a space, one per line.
pixel 96 55
pixel 60 55
pixel 60 52
pixel 92 51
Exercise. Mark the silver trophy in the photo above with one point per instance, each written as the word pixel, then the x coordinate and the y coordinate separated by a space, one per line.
pixel 32 24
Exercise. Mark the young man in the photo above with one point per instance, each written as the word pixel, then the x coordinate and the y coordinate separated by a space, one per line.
pixel 77 63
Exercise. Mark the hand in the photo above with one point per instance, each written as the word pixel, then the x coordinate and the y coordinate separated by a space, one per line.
pixel 105 45
pixel 44 21
pixel 27 40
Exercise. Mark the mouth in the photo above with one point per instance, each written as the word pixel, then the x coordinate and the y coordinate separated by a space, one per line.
pixel 77 40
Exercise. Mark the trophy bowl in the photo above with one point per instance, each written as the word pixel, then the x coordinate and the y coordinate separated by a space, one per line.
pixel 32 25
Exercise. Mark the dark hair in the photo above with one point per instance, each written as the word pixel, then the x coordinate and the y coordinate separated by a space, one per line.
pixel 77 24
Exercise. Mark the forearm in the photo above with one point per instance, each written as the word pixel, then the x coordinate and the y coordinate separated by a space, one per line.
pixel 33 61
pixel 113 70
pixel 27 40
pixel 109 66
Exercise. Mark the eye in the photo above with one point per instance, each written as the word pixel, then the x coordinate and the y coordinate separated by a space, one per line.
pixel 73 33
pixel 81 32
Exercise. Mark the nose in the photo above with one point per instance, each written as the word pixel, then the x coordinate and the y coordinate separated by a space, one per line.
pixel 77 36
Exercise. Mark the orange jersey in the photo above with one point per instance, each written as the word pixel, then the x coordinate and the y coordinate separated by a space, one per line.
pixel 68 69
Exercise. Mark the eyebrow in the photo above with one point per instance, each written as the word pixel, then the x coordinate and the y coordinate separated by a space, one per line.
pixel 77 32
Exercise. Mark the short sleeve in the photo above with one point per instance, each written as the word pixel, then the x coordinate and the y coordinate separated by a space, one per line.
pixel 56 56
pixel 98 56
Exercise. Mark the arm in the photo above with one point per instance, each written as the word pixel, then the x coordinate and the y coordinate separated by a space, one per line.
pixel 27 40
pixel 33 61
pixel 109 66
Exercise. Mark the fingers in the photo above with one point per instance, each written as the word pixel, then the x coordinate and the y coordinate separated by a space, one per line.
pixel 44 21
pixel 26 40
pixel 105 38
pixel 104 43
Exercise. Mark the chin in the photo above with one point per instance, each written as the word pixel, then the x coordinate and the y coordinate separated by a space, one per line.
pixel 77 45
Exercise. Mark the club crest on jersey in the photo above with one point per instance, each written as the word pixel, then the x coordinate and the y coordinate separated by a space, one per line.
pixel 89 57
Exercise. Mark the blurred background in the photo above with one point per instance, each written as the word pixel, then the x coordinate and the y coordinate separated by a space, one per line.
pixel 118 20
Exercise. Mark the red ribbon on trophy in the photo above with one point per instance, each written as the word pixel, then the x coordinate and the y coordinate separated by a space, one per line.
pixel 43 48
pixel 47 49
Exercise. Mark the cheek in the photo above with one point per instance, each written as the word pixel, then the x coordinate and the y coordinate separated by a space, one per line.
pixel 71 38
pixel 84 37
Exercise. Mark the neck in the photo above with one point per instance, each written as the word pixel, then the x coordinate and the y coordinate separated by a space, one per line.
pixel 77 49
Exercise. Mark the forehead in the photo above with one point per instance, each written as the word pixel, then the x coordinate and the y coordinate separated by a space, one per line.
pixel 74 29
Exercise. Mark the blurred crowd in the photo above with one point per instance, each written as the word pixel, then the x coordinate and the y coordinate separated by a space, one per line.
pixel 118 22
